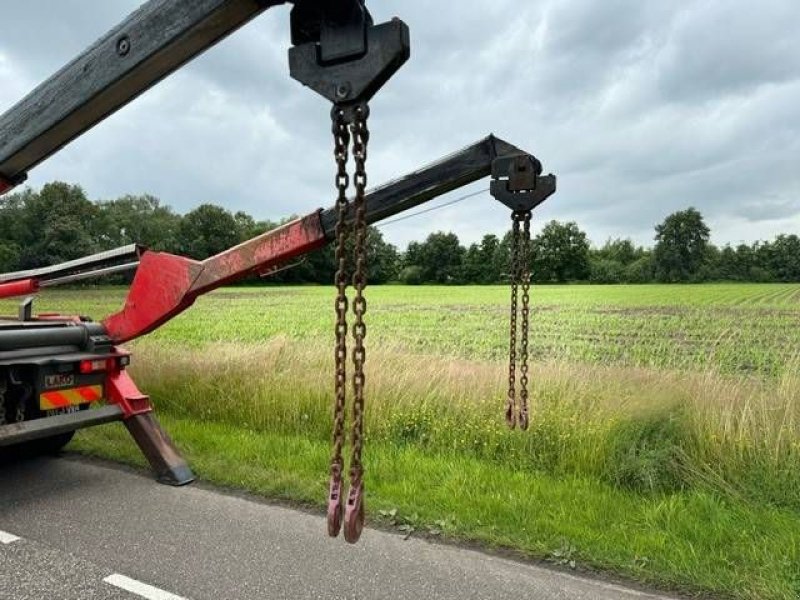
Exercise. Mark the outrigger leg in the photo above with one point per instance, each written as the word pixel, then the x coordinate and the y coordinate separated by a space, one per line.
pixel 166 461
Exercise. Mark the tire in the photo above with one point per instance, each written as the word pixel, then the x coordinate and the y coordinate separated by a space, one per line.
pixel 52 445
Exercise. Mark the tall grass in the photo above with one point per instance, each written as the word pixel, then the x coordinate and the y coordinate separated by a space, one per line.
pixel 642 429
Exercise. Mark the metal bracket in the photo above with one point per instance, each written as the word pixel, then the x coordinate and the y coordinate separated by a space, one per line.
pixel 517 182
pixel 26 309
pixel 351 61
pixel 7 183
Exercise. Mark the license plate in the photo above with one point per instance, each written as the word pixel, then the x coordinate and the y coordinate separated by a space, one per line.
pixel 70 397
pixel 59 380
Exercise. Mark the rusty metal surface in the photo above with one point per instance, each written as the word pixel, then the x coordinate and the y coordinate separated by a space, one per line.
pixel 165 460
pixel 165 284
pixel 25 431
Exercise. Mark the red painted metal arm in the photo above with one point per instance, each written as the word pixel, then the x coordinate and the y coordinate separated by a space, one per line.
pixel 165 284
pixel 19 288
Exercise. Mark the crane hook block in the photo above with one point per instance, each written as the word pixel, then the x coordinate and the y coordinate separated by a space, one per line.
pixel 349 64
pixel 517 182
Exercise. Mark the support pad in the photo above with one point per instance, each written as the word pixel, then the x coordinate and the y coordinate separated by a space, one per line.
pixel 169 466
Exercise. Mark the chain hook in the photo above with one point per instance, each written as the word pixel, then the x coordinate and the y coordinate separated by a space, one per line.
pixel 335 505
pixel 354 512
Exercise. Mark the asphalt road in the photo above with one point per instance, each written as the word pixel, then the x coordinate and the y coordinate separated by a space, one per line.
pixel 71 529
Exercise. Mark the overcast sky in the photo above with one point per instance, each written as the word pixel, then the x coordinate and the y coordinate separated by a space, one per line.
pixel 639 107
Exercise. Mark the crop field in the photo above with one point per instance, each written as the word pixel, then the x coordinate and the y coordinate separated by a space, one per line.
pixel 737 328
pixel 665 435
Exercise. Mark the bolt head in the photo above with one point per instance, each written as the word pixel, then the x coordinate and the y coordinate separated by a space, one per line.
pixel 123 45
pixel 343 90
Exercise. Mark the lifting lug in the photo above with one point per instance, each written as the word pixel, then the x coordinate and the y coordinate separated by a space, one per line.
pixel 517 182
pixel 346 59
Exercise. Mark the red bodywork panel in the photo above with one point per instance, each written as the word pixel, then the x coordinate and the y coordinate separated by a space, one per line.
pixel 165 285
pixel 5 185
pixel 122 391
pixel 18 288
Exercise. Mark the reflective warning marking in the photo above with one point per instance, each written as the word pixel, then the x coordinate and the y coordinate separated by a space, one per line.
pixel 71 397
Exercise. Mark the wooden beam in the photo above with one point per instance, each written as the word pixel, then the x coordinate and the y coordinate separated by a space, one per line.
pixel 151 43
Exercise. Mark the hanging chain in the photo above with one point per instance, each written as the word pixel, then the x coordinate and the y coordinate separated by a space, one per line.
pixel 525 276
pixel 520 274
pixel 511 402
pixel 341 136
pixel 351 514
pixel 354 517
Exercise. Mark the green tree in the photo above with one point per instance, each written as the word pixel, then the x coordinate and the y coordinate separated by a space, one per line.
pixel 140 220
pixel 783 258
pixel 482 262
pixel 57 224
pixel 681 246
pixel 560 253
pixel 206 231
pixel 622 251
pixel 9 257
pixel 606 270
pixel 440 256
pixel 640 270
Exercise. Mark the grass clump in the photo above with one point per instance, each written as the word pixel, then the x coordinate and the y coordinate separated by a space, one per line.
pixel 646 453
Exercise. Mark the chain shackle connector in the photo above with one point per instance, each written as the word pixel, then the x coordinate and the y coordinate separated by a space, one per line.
pixel 354 516
pixel 335 504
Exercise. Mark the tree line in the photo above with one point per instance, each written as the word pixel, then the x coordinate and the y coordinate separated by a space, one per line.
pixel 59 223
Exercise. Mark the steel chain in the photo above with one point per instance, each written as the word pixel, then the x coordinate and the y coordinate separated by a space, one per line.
pixel 341 135
pixel 511 401
pixel 354 517
pixel 520 276
pixel 351 514
pixel 525 275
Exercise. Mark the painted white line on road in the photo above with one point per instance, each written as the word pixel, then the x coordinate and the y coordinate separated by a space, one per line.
pixel 139 588
pixel 7 538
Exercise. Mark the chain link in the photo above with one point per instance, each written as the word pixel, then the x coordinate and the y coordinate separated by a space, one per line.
pixel 511 401
pixel 360 141
pixel 358 132
pixel 525 276
pixel 520 275
pixel 354 515
pixel 341 136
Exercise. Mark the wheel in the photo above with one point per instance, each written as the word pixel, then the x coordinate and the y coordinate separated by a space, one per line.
pixel 51 445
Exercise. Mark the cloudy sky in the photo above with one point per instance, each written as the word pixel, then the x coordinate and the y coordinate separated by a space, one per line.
pixel 640 107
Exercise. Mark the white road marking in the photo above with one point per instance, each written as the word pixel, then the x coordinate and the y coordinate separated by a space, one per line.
pixel 139 588
pixel 7 538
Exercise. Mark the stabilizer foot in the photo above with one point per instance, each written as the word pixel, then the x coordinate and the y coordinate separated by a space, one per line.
pixel 168 465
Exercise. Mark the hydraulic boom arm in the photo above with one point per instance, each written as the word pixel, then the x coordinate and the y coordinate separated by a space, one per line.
pixel 165 285
pixel 156 40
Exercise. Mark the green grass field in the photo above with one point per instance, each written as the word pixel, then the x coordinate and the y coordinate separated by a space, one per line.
pixel 665 436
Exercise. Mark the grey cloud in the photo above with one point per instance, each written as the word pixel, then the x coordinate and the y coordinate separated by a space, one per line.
pixel 640 108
